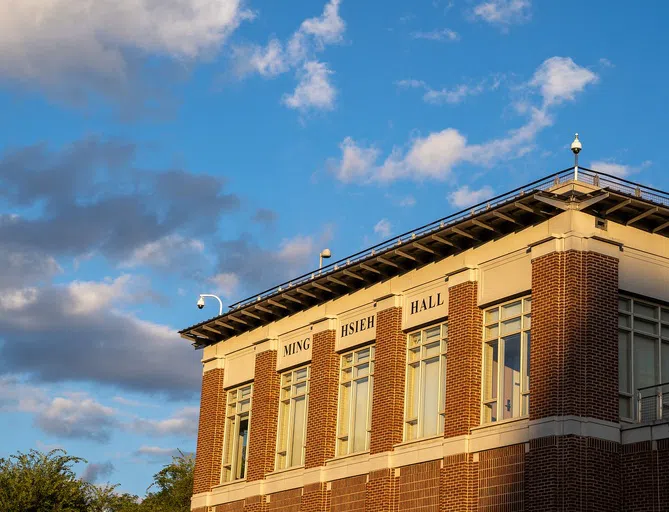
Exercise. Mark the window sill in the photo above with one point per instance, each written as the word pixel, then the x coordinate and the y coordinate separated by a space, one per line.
pixel 338 458
pixel 500 423
pixel 278 472
pixel 419 440
pixel 230 483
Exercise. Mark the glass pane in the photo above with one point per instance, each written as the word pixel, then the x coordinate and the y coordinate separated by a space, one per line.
pixel 360 419
pixel 347 360
pixel 492 331
pixel 490 412
pixel 625 321
pixel 433 333
pixel 245 392
pixel 301 374
pixel 245 406
pixel 665 315
pixel 363 355
pixel 431 406
pixel 433 349
pixel 528 352
pixel 645 309
pixel 412 392
pixel 414 339
pixel 242 441
pixel 300 389
pixel 511 377
pixel 362 370
pixel 414 354
pixel 344 404
pixel 664 377
pixel 492 315
pixel 347 374
pixel 527 323
pixel 283 427
pixel 444 330
pixel 286 378
pixel 510 326
pixel 624 358
pixel 625 408
pixel 665 331
pixel 526 405
pixel 624 304
pixel 527 308
pixel 298 421
pixel 490 362
pixel 510 310
pixel 645 361
pixel 645 326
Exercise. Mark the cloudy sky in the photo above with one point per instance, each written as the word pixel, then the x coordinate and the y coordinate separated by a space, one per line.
pixel 150 151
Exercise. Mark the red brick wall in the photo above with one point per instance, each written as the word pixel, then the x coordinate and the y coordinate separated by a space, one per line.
pixel 463 370
pixel 348 494
pixel 459 483
pixel 323 394
pixel 574 356
pixel 286 501
pixel 315 498
pixel 382 491
pixel 502 479
pixel 419 487
pixel 389 373
pixel 233 506
pixel 262 435
pixel 255 504
pixel 645 478
pixel 210 432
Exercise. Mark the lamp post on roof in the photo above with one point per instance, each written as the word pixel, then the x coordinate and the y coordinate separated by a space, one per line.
pixel 325 253
pixel 200 302
pixel 576 147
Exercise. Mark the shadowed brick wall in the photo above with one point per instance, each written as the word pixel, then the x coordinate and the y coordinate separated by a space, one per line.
pixel 210 432
pixel 389 372
pixel 262 435
pixel 382 491
pixel 574 356
pixel 459 483
pixel 502 479
pixel 323 393
pixel 463 369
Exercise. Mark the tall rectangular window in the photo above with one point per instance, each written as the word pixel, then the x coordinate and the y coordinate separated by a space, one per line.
pixel 236 443
pixel 643 350
pixel 292 431
pixel 355 401
pixel 506 360
pixel 426 382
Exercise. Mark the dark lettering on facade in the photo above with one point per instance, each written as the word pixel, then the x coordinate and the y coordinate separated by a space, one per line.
pixel 418 306
pixel 359 325
pixel 296 346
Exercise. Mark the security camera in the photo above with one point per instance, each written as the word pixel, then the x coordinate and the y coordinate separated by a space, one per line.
pixel 200 303
pixel 576 145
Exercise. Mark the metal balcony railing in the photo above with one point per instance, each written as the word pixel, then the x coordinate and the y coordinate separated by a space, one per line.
pixel 653 403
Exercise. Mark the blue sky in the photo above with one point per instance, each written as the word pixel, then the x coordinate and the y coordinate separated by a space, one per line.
pixel 151 151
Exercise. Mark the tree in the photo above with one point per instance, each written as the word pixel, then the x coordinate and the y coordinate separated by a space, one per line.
pixel 174 487
pixel 38 482
pixel 104 498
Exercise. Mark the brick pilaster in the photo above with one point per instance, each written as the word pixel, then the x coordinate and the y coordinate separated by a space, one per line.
pixel 382 491
pixel 389 373
pixel 574 355
pixel 463 370
pixel 322 414
pixel 315 497
pixel 459 483
pixel 262 435
pixel 210 432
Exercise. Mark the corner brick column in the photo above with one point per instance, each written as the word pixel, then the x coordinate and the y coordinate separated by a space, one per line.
pixel 389 374
pixel 210 432
pixel 262 434
pixel 463 368
pixel 574 355
pixel 322 413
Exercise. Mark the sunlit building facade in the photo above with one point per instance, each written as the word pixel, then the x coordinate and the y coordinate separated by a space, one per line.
pixel 510 357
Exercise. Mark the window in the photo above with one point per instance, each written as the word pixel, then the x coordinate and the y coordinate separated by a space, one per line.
pixel 292 433
pixel 236 444
pixel 426 382
pixel 355 399
pixel 643 349
pixel 506 361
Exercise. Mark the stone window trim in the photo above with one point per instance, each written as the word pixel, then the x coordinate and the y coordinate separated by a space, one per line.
pixel 292 418
pixel 239 401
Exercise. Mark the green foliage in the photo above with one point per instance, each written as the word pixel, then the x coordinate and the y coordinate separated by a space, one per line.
pixel 38 482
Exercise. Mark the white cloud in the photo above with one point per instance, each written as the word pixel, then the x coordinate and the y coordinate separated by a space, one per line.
pixel 296 250
pixel 11 300
pixel 453 95
pixel 408 201
pixel 434 156
pixel 615 169
pixel 77 416
pixel 226 283
pixel 163 252
pixel 88 296
pixel 560 78
pixel 183 423
pixel 157 451
pixel 60 40
pixel 383 228
pixel 445 34
pixel 504 12
pixel 464 196
pixel 314 89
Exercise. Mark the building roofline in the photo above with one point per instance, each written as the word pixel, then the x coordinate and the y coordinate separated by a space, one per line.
pixel 503 214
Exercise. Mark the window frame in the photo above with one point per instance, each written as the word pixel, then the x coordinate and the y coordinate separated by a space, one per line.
pixel 413 422
pixel 232 424
pixel 525 315
pixel 289 401
pixel 659 339
pixel 345 438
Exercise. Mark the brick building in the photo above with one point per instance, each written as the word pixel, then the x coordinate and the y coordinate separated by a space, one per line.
pixel 509 357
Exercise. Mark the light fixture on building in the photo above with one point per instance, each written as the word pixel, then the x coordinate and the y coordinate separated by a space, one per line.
pixel 325 253
pixel 200 302
pixel 576 147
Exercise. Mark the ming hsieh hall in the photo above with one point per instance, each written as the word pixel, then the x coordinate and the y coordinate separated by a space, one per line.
pixel 509 357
